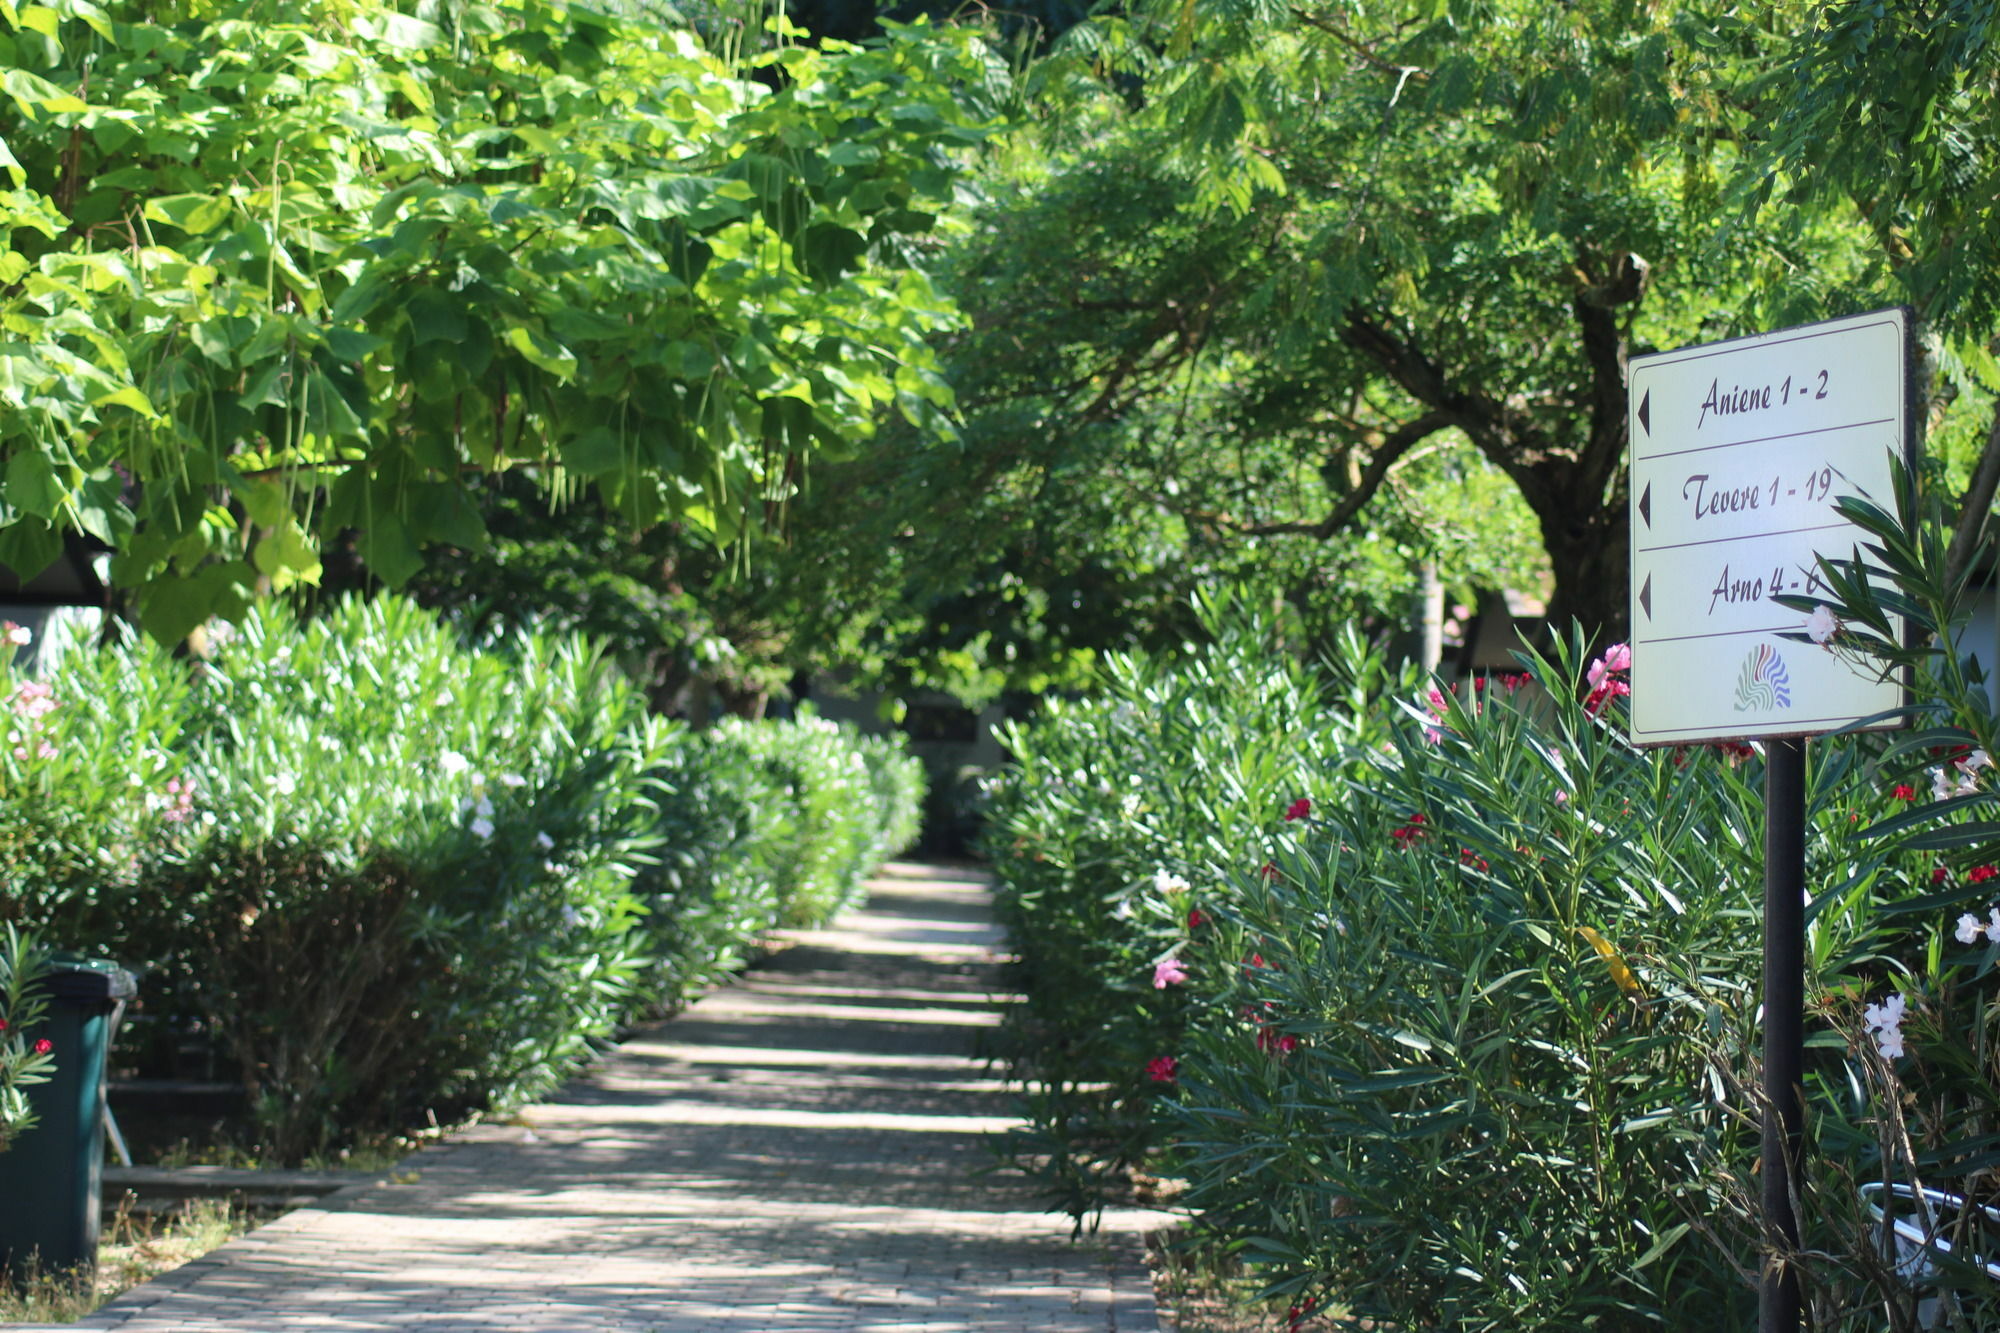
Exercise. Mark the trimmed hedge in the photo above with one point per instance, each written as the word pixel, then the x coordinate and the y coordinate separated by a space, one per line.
pixel 398 877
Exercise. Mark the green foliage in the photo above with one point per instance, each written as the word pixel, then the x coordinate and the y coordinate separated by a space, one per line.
pixel 1919 1114
pixel 1250 264
pixel 84 778
pixel 1455 1077
pixel 830 808
pixel 1471 1041
pixel 400 878
pixel 22 962
pixel 396 875
pixel 1172 774
pixel 764 824
pixel 271 277
pixel 1889 110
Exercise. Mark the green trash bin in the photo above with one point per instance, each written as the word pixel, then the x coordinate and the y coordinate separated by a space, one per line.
pixel 51 1178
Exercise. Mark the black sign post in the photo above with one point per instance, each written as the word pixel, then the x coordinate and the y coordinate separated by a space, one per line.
pixel 1784 1021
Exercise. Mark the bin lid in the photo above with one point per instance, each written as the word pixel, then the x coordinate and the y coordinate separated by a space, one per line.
pixel 88 981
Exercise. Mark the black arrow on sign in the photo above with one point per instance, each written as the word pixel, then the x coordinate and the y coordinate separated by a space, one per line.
pixel 1646 596
pixel 1646 504
pixel 1646 412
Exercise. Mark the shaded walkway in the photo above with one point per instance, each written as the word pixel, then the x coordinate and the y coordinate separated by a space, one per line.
pixel 793 1153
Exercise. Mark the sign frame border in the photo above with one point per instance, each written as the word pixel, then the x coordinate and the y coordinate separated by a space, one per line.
pixel 1910 454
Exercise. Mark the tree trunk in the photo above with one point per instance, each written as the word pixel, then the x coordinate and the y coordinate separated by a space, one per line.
pixel 1431 589
pixel 1590 550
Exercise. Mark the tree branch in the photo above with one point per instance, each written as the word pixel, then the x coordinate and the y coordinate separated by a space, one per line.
pixel 1386 66
pixel 1486 422
pixel 1387 454
pixel 1978 501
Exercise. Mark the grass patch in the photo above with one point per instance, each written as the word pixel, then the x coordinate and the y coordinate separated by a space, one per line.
pixel 135 1248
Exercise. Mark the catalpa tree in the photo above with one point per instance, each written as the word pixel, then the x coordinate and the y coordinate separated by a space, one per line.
pixel 279 273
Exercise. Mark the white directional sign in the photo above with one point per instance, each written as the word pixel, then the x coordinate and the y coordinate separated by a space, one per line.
pixel 1739 449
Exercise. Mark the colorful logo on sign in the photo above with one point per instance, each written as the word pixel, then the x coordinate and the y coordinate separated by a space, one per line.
pixel 1763 684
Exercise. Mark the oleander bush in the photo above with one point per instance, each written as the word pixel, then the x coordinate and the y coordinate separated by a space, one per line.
pixel 24 1062
pixel 90 772
pixel 402 882
pixel 396 876
pixel 1443 1006
pixel 827 813
pixel 765 824
pixel 1174 774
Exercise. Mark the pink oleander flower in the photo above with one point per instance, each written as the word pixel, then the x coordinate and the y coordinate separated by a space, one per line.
pixel 1603 677
pixel 18 635
pixel 178 802
pixel 1617 658
pixel 1273 1042
pixel 34 699
pixel 1163 1069
pixel 44 1046
pixel 1168 972
pixel 1821 625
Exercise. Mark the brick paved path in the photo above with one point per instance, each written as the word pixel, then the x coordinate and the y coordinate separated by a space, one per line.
pixel 792 1154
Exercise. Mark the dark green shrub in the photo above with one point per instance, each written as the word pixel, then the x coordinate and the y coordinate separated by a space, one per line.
pixel 1174 774
pixel 827 814
pixel 1467 1040
pixel 23 1064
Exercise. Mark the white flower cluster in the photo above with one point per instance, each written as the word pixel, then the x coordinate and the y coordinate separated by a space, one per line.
pixel 479 805
pixel 1165 881
pixel 1956 778
pixel 1885 1022
pixel 1970 928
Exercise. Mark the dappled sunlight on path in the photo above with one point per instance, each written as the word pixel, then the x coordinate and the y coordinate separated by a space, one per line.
pixel 796 1152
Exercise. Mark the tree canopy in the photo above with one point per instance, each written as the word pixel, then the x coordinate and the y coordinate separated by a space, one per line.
pixel 277 273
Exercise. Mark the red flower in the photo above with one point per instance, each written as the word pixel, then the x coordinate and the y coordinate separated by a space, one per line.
pixel 1469 857
pixel 3 1025
pixel 1163 1069
pixel 1268 870
pixel 1980 874
pixel 1298 809
pixel 1195 918
pixel 1273 1042
pixel 1609 690
pixel 1412 829
pixel 44 1046
pixel 1254 960
pixel 1904 792
pixel 1939 875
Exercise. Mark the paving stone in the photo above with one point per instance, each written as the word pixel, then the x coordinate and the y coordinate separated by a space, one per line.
pixel 795 1154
